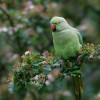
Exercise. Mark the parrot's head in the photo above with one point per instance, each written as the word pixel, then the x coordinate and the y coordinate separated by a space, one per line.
pixel 58 24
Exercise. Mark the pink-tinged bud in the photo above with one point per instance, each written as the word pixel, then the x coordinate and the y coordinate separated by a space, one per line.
pixel 53 27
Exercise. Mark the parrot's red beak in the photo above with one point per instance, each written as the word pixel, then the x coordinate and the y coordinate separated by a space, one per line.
pixel 53 27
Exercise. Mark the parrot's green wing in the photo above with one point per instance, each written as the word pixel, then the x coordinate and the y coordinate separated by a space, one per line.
pixel 80 37
pixel 78 34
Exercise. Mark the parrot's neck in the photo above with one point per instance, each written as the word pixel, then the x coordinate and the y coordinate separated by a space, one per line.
pixel 64 27
pixel 57 33
pixel 62 30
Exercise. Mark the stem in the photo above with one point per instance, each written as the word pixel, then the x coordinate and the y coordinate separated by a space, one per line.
pixel 10 21
pixel 8 16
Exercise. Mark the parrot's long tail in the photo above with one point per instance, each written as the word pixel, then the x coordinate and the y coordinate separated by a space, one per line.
pixel 78 86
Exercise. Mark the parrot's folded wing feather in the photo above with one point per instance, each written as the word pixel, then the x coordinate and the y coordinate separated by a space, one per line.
pixel 80 37
pixel 78 34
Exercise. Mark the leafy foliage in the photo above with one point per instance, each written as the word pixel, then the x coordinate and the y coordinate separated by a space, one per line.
pixel 35 69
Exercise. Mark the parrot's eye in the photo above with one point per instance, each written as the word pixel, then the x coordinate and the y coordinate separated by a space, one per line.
pixel 58 22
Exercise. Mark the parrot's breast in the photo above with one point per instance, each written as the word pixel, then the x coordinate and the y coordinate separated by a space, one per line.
pixel 66 43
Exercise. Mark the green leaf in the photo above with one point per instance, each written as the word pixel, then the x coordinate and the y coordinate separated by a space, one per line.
pixel 47 69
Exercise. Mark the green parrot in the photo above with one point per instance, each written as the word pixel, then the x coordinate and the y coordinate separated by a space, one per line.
pixel 67 43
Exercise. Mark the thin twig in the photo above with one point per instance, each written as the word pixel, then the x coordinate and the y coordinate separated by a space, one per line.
pixel 8 16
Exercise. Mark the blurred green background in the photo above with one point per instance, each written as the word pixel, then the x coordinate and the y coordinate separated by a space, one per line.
pixel 24 25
